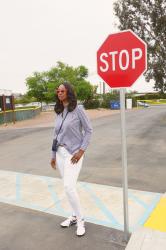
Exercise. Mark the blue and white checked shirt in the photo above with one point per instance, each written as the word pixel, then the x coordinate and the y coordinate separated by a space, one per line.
pixel 76 130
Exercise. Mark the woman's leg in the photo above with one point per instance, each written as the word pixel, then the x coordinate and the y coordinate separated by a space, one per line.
pixel 71 173
pixel 60 161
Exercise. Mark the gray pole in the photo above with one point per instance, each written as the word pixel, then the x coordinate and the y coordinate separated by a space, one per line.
pixel 100 88
pixel 124 164
pixel 103 87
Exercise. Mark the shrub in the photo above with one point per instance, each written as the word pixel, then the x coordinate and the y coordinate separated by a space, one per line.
pixel 91 104
pixel 106 98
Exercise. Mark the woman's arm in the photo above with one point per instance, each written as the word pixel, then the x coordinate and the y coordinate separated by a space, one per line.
pixel 87 127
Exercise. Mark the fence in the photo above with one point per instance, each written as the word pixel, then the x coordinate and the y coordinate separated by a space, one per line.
pixel 18 114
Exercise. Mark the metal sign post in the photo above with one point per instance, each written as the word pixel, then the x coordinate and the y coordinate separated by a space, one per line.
pixel 121 60
pixel 124 164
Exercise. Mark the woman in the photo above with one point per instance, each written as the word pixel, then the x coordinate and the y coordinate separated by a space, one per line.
pixel 72 131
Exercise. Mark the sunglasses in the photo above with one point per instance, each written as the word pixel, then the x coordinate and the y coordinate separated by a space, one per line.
pixel 60 91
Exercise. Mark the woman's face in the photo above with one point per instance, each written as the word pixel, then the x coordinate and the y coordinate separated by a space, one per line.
pixel 62 93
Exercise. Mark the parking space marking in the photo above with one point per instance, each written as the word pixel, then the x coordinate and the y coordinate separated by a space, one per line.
pixel 102 204
pixel 157 219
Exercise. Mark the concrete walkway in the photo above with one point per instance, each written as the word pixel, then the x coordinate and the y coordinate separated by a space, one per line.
pixel 147 239
pixel 153 235
pixel 102 204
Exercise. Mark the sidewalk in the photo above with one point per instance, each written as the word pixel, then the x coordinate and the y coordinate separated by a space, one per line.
pixel 147 239
pixel 102 205
pixel 152 236
pixel 32 208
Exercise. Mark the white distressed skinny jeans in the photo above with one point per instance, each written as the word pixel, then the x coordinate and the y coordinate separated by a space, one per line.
pixel 69 173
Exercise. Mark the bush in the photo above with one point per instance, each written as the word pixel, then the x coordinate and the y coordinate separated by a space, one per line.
pixel 91 104
pixel 106 98
pixel 134 102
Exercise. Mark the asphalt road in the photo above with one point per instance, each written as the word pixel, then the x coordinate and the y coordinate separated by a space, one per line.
pixel 28 150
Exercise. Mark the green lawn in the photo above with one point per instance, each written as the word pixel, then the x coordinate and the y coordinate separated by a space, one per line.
pixel 154 102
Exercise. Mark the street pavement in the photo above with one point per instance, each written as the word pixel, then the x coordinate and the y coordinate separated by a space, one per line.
pixel 28 151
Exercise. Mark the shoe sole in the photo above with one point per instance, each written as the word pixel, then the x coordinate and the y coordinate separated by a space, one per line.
pixel 71 224
pixel 80 235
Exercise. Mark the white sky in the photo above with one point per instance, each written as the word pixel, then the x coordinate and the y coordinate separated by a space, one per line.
pixel 35 34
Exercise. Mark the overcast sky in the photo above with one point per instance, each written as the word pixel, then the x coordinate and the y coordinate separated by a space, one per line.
pixel 35 34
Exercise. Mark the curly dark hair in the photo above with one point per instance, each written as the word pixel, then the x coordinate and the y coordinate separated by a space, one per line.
pixel 71 96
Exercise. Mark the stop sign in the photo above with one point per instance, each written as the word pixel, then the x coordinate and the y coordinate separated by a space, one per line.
pixel 121 59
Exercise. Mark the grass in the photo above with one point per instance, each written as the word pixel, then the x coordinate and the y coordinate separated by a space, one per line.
pixel 154 102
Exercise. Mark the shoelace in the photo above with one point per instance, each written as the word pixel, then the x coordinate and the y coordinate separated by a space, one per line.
pixel 72 218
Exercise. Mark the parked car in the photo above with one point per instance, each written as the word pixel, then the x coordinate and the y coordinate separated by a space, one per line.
pixel 143 104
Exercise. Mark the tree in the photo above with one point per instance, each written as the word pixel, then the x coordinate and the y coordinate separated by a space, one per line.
pixel 37 86
pixel 147 18
pixel 23 99
pixel 43 85
pixel 84 90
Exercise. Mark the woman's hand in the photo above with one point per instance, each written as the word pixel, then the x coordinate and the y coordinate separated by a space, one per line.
pixel 76 157
pixel 53 163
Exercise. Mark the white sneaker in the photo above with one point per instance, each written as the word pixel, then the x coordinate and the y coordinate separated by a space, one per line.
pixel 80 227
pixel 69 221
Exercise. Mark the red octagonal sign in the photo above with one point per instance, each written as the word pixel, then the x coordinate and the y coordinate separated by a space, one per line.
pixel 121 59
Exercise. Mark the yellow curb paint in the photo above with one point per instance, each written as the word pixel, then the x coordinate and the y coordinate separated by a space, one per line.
pixel 16 110
pixel 157 219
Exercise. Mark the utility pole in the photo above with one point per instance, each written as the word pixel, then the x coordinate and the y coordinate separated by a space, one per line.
pixel 103 87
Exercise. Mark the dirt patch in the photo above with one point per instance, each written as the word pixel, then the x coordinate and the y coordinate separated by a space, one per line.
pixel 46 119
